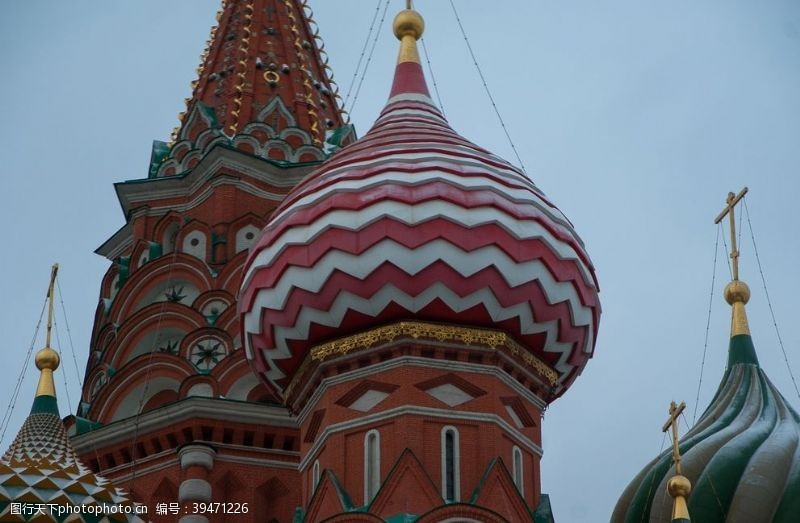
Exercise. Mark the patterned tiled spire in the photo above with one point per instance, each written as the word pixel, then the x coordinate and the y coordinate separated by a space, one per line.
pixel 41 477
pixel 261 50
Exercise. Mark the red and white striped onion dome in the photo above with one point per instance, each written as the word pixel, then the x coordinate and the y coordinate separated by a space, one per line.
pixel 413 221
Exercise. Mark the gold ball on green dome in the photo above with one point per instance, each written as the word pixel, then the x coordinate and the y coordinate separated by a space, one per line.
pixel 679 486
pixel 408 22
pixel 737 291
pixel 47 358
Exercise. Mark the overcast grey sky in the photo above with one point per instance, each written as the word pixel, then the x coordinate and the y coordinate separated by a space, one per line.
pixel 635 118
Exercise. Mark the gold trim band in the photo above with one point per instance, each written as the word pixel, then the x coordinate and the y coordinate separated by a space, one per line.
pixel 432 331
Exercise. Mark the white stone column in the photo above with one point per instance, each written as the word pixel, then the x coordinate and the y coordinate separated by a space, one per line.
pixel 196 462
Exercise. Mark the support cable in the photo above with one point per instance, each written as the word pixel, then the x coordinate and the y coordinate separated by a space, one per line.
pixel 653 474
pixel 707 473
pixel 725 244
pixel 12 402
pixel 486 86
pixel 361 57
pixel 146 388
pixel 69 334
pixel 769 302
pixel 63 370
pixel 739 239
pixel 433 78
pixel 708 323
pixel 369 59
pixel 74 361
pixel 686 422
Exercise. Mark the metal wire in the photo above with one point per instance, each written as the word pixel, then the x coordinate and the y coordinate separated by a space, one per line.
pixel 653 473
pixel 685 422
pixel 486 86
pixel 63 370
pixel 433 78
pixel 708 323
pixel 12 402
pixel 363 52
pixel 369 59
pixel 146 387
pixel 69 333
pixel 725 244
pixel 739 238
pixel 769 302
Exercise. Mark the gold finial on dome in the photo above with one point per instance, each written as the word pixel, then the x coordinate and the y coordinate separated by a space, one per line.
pixel 408 28
pixel 678 486
pixel 737 293
pixel 47 359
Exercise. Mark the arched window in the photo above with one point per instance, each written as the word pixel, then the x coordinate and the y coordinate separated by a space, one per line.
pixel 195 244
pixel 314 476
pixel 451 468
pixel 516 463
pixel 245 237
pixel 372 465
pixel 170 234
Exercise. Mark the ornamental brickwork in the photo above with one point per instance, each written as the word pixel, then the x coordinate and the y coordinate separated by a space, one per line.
pixel 166 369
pixel 329 329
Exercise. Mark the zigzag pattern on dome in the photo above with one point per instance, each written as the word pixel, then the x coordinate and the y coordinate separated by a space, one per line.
pixel 274 135
pixel 414 221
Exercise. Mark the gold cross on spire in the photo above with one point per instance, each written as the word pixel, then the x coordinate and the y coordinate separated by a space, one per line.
pixel 728 210
pixel 675 410
pixel 678 486
pixel 50 288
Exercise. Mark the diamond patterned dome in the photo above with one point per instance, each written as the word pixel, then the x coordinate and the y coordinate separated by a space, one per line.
pixel 41 469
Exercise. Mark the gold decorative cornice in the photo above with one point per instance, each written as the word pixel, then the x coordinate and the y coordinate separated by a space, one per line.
pixel 434 332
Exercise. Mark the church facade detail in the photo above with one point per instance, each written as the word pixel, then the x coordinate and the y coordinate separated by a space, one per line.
pixel 409 305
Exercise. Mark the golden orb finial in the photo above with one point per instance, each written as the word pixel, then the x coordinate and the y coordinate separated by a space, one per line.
pixel 737 294
pixel 737 291
pixel 679 486
pixel 408 23
pixel 408 28
pixel 48 359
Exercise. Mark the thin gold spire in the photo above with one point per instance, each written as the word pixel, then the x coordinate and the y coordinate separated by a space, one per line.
pixel 737 293
pixel 47 359
pixel 678 486
pixel 408 28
